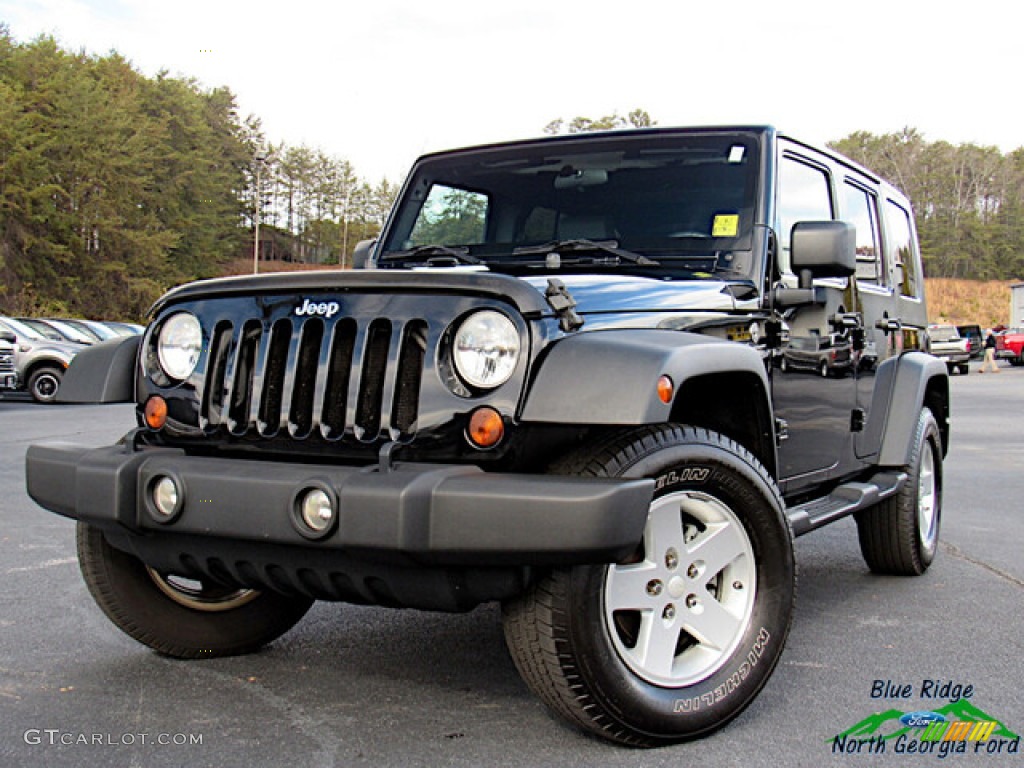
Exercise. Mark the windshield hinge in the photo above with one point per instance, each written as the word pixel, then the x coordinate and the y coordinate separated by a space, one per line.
pixel 560 300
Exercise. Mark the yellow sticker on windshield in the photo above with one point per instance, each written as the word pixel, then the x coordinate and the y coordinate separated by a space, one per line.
pixel 725 225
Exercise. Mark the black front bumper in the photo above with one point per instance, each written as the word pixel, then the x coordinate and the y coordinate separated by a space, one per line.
pixel 237 519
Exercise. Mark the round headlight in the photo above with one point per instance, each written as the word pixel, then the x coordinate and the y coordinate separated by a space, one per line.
pixel 179 345
pixel 486 349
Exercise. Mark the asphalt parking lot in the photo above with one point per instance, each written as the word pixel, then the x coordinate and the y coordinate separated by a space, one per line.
pixel 368 686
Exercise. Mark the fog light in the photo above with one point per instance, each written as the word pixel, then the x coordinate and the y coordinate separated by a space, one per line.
pixel 166 497
pixel 316 511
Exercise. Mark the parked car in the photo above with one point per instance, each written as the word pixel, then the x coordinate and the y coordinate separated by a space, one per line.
pixel 41 329
pixel 98 331
pixel 949 346
pixel 39 362
pixel 57 331
pixel 124 329
pixel 1010 346
pixel 826 355
pixel 975 338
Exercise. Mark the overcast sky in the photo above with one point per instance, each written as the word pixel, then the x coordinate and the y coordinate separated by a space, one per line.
pixel 379 82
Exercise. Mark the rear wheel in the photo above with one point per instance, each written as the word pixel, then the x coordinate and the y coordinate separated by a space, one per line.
pixel 674 642
pixel 901 534
pixel 177 615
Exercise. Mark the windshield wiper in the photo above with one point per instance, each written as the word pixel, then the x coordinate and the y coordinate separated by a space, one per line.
pixel 564 247
pixel 434 255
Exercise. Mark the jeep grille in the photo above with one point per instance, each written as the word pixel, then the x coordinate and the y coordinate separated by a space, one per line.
pixel 342 376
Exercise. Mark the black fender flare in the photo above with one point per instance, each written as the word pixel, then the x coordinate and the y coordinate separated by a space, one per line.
pixel 102 373
pixel 610 377
pixel 921 380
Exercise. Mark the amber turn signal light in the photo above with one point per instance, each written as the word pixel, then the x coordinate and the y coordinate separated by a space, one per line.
pixel 155 412
pixel 486 428
pixel 666 389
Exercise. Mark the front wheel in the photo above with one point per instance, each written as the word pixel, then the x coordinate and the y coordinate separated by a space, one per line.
pixel 180 616
pixel 44 383
pixel 675 641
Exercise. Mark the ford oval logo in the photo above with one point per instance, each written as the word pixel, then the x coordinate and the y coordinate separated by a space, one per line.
pixel 921 719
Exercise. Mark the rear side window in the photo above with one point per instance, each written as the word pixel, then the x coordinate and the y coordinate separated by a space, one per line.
pixel 860 208
pixel 901 242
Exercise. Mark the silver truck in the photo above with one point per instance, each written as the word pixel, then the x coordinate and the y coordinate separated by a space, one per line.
pixel 39 363
pixel 949 346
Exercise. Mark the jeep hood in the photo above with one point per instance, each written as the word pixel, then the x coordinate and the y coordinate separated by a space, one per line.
pixel 596 294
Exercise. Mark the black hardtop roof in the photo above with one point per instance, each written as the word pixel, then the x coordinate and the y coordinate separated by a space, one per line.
pixel 594 136
pixel 765 130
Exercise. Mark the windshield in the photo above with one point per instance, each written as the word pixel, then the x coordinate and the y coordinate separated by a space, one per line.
pixel 21 330
pixel 653 203
pixel 54 331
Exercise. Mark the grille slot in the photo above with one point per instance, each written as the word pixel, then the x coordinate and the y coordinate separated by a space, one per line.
pixel 338 371
pixel 215 393
pixel 410 367
pixel 371 385
pixel 274 378
pixel 300 419
pixel 241 390
pixel 341 379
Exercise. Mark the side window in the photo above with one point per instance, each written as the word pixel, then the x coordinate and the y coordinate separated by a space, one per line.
pixel 450 216
pixel 901 247
pixel 804 195
pixel 860 208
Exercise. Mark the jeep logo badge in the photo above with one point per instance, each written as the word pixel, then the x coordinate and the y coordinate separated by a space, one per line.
pixel 321 309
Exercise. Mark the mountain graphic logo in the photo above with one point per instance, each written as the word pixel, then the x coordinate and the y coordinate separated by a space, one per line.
pixel 888 725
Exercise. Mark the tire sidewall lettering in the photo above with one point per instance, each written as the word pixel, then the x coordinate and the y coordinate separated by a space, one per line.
pixel 695 476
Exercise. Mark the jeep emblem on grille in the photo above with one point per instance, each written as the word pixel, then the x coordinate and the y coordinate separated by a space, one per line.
pixel 323 308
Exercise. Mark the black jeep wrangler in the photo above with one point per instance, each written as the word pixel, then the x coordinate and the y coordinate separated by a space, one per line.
pixel 559 381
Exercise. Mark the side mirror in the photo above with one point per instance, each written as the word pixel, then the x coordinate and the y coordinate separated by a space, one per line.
pixel 363 253
pixel 823 249
pixel 9 337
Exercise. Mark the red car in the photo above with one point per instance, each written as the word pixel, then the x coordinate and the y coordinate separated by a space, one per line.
pixel 1010 346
